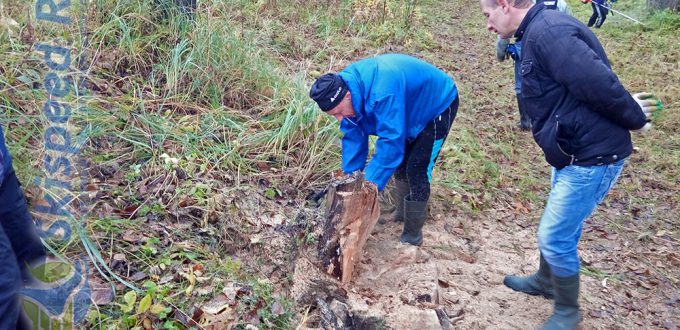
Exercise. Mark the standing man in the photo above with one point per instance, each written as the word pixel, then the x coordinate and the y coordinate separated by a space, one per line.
pixel 505 49
pixel 581 116
pixel 600 11
pixel 410 106
pixel 19 243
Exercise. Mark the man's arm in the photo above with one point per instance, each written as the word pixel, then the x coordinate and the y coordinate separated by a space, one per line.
pixel 502 48
pixel 390 115
pixel 572 63
pixel 354 147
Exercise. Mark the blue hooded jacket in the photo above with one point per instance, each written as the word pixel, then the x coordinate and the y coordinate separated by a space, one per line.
pixel 394 97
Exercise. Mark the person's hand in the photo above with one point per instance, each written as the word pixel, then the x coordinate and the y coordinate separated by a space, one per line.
pixel 648 103
pixel 644 129
pixel 502 49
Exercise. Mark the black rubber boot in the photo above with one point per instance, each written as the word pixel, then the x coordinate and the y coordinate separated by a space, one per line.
pixel 415 213
pixel 566 315
pixel 401 189
pixel 524 120
pixel 537 284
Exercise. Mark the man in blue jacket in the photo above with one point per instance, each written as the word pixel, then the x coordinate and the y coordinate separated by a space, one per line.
pixel 19 243
pixel 410 106
pixel 581 117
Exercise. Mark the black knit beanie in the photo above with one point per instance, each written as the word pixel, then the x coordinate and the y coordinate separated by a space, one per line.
pixel 328 91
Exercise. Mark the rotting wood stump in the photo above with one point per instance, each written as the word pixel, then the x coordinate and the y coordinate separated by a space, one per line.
pixel 352 209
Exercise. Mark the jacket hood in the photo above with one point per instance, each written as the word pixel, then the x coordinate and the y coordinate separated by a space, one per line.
pixel 357 89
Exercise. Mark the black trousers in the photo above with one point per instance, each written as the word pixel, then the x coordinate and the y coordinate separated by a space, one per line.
pixel 422 152
pixel 598 16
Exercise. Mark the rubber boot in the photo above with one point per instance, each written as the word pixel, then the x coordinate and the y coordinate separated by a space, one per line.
pixel 566 315
pixel 524 120
pixel 415 213
pixel 401 189
pixel 537 284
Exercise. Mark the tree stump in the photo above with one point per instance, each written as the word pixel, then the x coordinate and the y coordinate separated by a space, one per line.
pixel 352 209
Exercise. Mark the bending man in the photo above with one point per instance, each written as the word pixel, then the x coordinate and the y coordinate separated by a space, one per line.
pixel 410 106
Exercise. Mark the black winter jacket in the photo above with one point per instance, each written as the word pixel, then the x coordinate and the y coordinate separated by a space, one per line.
pixel 580 112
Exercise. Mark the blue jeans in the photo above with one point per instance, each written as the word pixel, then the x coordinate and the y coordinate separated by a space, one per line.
pixel 575 192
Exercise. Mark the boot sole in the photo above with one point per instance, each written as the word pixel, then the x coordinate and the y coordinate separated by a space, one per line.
pixel 384 221
pixel 545 295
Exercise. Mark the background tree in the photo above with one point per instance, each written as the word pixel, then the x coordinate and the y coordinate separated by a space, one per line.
pixel 663 4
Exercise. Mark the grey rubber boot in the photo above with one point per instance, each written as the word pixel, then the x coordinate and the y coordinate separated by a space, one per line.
pixel 415 213
pixel 401 189
pixel 537 284
pixel 524 120
pixel 566 315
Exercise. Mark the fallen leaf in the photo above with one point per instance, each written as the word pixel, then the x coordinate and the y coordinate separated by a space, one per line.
pixel 127 211
pixel 191 277
pixel 520 208
pixel 277 309
pixel 144 304
pixel 217 305
pixel 645 285
pixel 196 317
pixel 206 290
pixel 130 298
pixel 138 276
pixel 156 309
pixel 102 294
pixel 131 236
pixel 187 202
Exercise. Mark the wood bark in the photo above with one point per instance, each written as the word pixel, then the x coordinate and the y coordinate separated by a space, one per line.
pixel 352 210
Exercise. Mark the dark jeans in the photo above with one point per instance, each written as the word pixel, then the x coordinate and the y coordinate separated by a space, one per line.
pixel 422 152
pixel 19 246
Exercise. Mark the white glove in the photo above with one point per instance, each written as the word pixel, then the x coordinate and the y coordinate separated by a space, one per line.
pixel 644 129
pixel 648 103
